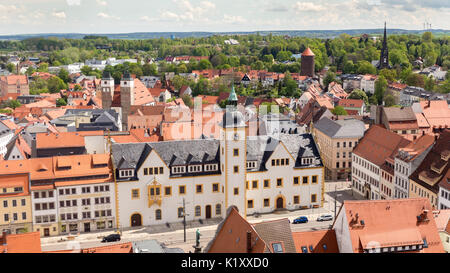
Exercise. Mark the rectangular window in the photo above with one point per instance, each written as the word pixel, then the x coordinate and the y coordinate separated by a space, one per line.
pixel 296 180
pixel 266 202
pixel 250 204
pixel 182 189
pixel 236 191
pixel 167 191
pixel 314 179
pixel 313 198
pixel 236 169
pixel 254 184
pixel 266 183
pixel 235 152
pixel 134 194
pixel 279 182
pixel 161 170
pixel 215 187
pixel 23 202
pixel 199 188
pixel 296 199
pixel 305 179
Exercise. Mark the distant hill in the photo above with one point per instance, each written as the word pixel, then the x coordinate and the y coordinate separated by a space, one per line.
pixel 153 35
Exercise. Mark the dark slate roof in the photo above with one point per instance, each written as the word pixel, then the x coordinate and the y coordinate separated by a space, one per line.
pixel 173 153
pixel 347 128
pixel 260 148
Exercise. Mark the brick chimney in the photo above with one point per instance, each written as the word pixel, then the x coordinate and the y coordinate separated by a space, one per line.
pixel 249 241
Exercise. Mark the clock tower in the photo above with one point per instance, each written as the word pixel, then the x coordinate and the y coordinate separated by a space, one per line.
pixel 233 155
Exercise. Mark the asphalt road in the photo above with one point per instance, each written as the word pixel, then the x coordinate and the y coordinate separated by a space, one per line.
pixel 175 238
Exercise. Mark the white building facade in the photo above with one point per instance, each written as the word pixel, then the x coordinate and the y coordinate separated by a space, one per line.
pixel 209 175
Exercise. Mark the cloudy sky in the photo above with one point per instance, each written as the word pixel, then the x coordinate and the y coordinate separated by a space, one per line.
pixel 121 16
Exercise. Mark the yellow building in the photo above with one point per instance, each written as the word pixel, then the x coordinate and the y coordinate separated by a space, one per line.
pixel 15 203
pixel 336 140
pixel 424 181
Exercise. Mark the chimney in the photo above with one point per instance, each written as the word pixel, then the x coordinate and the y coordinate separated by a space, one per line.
pixel 249 241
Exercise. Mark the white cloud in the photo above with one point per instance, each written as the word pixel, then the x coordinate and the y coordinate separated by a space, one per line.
pixel 208 5
pixel 8 8
pixel 233 19
pixel 307 6
pixel 60 15
pixel 107 16
pixel 73 2
pixel 189 12
pixel 102 3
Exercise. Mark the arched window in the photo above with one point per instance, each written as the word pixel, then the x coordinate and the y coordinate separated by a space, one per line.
pixel 218 209
pixel 158 214
pixel 198 211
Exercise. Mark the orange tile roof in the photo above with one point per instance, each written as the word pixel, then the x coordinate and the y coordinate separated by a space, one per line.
pixel 117 248
pixel 422 121
pixel 59 140
pixel 442 218
pixel 8 180
pixel 351 103
pixel 46 168
pixel 23 243
pixel 308 52
pixel 379 144
pixel 389 223
pixel 227 242
pixel 418 146
pixel 438 114
pixel 40 104
pixel 13 79
pixel 316 239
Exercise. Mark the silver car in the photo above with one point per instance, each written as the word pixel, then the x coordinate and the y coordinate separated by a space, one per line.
pixel 326 217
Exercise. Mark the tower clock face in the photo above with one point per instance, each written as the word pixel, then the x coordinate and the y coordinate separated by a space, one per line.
pixel 236 136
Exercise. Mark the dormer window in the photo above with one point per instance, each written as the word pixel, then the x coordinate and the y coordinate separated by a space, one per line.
pixel 251 164
pixel 195 168
pixel 211 167
pixel 126 173
pixel 307 161
pixel 178 169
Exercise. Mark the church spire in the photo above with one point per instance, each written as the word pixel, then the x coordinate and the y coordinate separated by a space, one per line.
pixel 384 55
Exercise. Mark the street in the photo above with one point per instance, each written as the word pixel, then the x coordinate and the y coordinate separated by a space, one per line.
pixel 174 237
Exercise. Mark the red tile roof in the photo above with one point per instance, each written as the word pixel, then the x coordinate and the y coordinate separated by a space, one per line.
pixel 379 144
pixel 351 103
pixel 308 52
pixel 391 223
pixel 322 241
pixel 59 140
pixel 22 243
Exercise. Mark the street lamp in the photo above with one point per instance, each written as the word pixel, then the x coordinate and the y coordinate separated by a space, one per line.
pixel 335 198
pixel 184 219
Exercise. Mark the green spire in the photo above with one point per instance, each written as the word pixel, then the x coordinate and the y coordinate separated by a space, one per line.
pixel 233 96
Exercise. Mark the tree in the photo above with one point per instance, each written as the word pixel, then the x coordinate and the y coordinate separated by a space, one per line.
pixel 43 67
pixel 380 89
pixel 389 100
pixel 358 94
pixel 61 102
pixel 415 79
pixel 150 69
pixel 429 83
pixel 373 100
pixel 329 78
pixel 64 75
pixel 339 111
pixel 187 101
pixel 55 84
pixel 86 70
pixel 364 67
pixel 11 67
pixel 389 74
pixel 14 104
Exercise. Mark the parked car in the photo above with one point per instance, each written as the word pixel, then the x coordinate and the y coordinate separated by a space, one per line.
pixel 301 219
pixel 111 238
pixel 325 217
